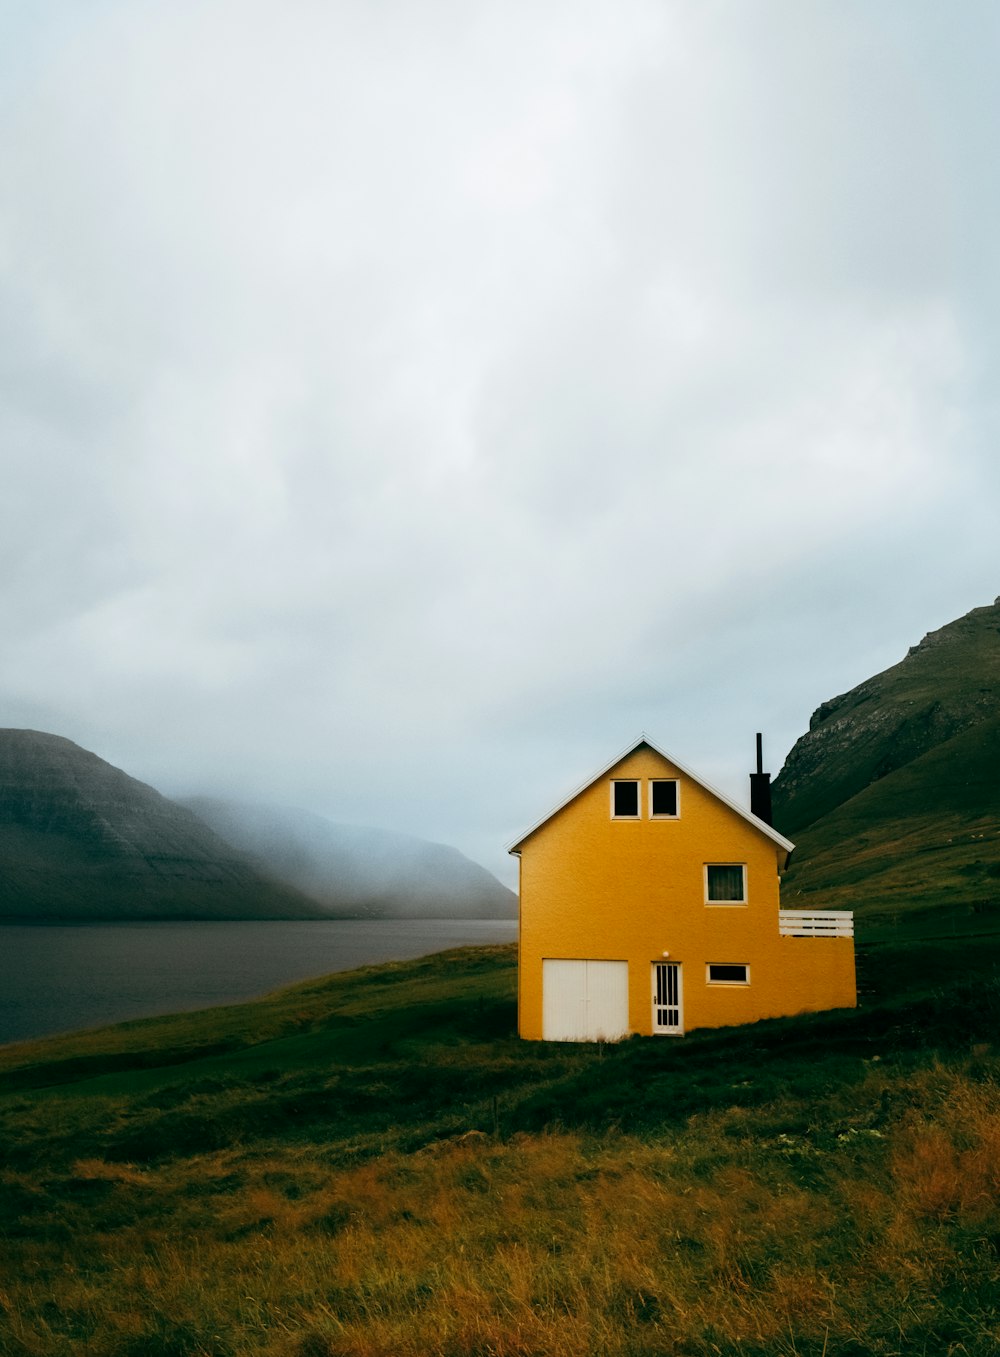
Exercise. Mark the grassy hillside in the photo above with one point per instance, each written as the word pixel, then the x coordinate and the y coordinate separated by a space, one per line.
pixel 924 843
pixel 374 1164
pixel 893 796
pixel 946 685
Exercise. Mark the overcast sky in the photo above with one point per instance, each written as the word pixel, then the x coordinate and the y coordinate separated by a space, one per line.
pixel 403 405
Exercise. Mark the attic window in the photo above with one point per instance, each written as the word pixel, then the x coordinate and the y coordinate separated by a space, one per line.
pixel 725 883
pixel 719 974
pixel 663 798
pixel 625 800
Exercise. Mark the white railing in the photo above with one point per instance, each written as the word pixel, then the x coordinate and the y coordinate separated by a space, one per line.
pixel 816 923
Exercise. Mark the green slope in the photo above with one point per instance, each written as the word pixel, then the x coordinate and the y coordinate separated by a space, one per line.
pixel 893 796
pixel 924 838
pixel 947 684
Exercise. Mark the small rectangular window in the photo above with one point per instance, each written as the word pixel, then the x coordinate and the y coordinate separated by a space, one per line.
pixel 663 798
pixel 625 800
pixel 725 883
pixel 719 974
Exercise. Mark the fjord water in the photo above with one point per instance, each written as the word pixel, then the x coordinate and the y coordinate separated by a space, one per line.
pixel 60 977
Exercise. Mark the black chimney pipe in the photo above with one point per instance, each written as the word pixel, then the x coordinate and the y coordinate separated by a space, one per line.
pixel 760 787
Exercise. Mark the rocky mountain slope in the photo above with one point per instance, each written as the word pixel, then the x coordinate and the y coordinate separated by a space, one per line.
pixel 893 795
pixel 354 871
pixel 80 839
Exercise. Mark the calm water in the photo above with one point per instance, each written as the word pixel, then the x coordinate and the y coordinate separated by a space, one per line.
pixel 59 977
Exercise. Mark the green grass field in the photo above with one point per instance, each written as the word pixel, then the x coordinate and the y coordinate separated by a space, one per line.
pixel 374 1164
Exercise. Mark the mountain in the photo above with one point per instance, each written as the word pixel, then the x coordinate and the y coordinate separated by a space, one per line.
pixel 80 839
pixel 893 795
pixel 352 871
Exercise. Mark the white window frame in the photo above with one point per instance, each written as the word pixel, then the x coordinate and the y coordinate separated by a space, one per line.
pixel 738 984
pixel 637 781
pixel 677 798
pixel 727 904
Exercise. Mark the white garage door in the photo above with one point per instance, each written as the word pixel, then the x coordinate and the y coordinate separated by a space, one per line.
pixel 584 1000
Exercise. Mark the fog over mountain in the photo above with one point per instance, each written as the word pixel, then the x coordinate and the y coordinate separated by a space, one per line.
pixel 81 839
pixel 352 870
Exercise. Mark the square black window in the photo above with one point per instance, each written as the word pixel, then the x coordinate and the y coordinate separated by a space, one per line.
pixel 663 797
pixel 625 800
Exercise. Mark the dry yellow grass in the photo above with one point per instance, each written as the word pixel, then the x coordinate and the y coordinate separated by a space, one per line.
pixel 828 1188
pixel 717 1240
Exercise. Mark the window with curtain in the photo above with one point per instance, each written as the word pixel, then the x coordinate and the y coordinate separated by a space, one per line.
pixel 726 883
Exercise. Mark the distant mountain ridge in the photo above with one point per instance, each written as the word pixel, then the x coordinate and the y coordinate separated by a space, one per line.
pixel 352 870
pixel 893 794
pixel 80 839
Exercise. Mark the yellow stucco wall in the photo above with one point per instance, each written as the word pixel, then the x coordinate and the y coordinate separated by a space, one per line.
pixel 599 888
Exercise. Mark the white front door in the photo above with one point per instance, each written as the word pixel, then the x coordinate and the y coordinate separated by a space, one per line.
pixel 584 1000
pixel 668 1010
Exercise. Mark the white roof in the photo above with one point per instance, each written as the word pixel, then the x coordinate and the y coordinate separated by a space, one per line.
pixel 757 823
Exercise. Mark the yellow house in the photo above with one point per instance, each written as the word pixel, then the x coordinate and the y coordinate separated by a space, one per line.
pixel 650 904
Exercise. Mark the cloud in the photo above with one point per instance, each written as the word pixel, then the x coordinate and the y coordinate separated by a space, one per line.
pixel 401 404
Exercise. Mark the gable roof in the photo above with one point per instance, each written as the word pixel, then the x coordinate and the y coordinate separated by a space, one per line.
pixel 753 820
